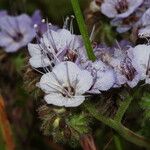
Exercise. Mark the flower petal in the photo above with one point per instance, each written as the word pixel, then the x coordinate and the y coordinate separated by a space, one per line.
pixel 85 81
pixel 49 83
pixel 39 61
pixel 34 49
pixel 66 72
pixel 108 9
pixel 59 100
pixel 105 80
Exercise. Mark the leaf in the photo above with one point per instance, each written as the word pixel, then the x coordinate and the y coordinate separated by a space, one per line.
pixel 79 123
pixel 145 105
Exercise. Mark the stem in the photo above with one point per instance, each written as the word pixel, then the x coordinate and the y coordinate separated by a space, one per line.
pixel 122 109
pixel 83 29
pixel 117 142
pixel 5 127
pixel 2 143
pixel 122 130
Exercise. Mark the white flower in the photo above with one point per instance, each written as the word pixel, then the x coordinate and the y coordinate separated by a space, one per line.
pixel 54 46
pixel 38 57
pixel 140 57
pixel 65 85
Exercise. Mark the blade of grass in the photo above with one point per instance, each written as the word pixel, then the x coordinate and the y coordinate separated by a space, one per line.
pixel 83 29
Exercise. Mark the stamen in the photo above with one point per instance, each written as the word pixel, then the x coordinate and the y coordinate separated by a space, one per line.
pixel 35 26
pixel 118 45
pixel 92 33
pixel 38 71
pixel 43 21
pixel 71 24
pixel 67 69
pixel 66 22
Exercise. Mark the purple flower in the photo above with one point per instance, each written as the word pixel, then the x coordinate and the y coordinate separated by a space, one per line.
pixel 39 22
pixel 15 32
pixel 119 61
pixel 124 13
pixel 119 8
pixel 3 13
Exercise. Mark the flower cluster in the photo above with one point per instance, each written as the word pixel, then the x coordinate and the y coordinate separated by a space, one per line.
pixel 69 77
pixel 17 31
pixel 127 14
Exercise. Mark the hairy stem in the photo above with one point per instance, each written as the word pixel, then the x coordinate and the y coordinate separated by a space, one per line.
pixel 5 127
pixel 83 29
pixel 118 127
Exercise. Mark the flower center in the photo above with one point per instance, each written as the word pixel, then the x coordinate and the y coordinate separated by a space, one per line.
pixel 18 37
pixel 121 6
pixel 130 20
pixel 99 2
pixel 71 56
pixel 128 70
pixel 68 91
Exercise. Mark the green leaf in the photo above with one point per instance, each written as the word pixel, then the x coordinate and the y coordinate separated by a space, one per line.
pixel 18 61
pixel 145 104
pixel 79 123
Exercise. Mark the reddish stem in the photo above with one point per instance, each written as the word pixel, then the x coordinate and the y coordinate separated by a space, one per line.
pixel 5 127
pixel 87 143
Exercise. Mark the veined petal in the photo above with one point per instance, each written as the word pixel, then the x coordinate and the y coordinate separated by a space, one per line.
pixel 6 26
pixel 49 83
pixel 108 10
pixel 5 39
pixel 24 22
pixel 105 80
pixel 59 100
pixel 84 82
pixel 39 61
pixel 140 56
pixel 66 72
pixel 34 49
pixel 13 47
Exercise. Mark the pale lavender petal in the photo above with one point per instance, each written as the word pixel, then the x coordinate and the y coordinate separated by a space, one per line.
pixel 59 100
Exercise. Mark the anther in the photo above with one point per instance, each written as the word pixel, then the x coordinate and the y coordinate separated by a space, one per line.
pixel 35 26
pixel 43 21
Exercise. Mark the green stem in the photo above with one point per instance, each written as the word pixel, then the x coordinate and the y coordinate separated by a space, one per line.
pixel 122 109
pixel 122 130
pixel 117 142
pixel 83 29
